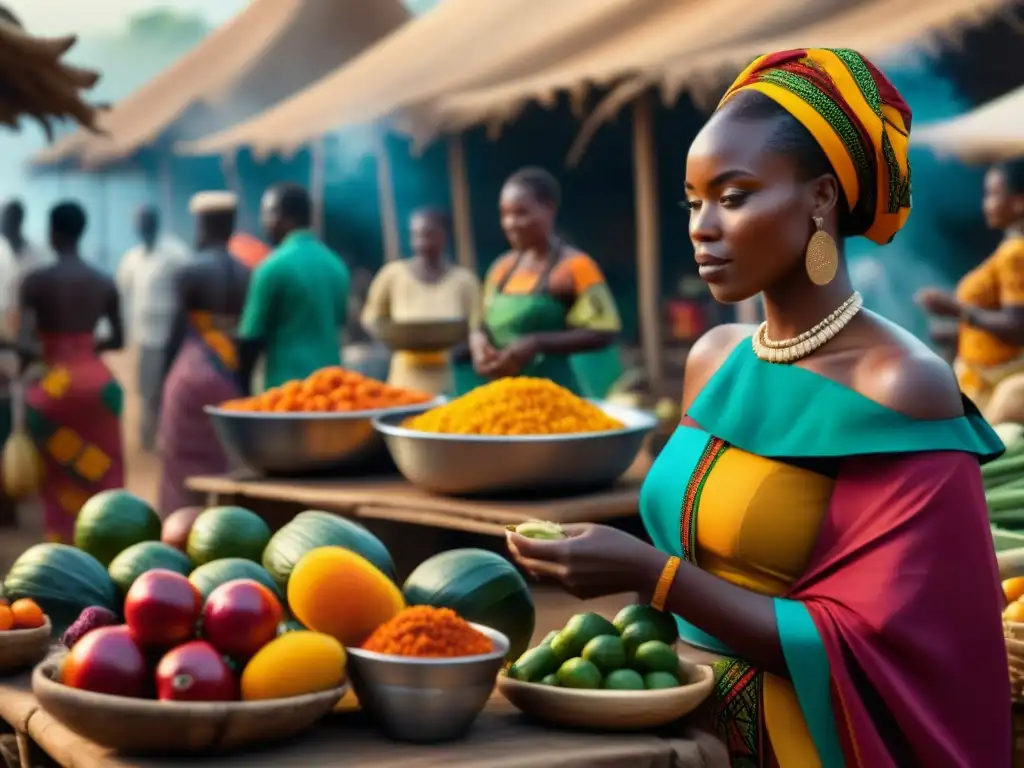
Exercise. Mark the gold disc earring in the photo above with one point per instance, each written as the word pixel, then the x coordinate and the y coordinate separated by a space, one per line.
pixel 822 257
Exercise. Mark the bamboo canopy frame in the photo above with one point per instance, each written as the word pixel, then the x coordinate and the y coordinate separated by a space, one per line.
pixel 36 83
pixel 508 56
pixel 992 132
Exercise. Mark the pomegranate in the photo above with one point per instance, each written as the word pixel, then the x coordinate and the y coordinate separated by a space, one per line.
pixel 195 672
pixel 240 617
pixel 162 609
pixel 108 660
pixel 178 526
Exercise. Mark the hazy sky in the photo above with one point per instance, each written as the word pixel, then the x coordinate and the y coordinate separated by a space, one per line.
pixel 83 16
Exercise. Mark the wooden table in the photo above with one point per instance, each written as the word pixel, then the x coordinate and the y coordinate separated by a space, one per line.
pixel 394 499
pixel 501 738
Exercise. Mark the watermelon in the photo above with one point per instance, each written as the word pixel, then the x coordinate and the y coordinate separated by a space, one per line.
pixel 64 581
pixel 312 529
pixel 481 587
pixel 223 532
pixel 208 577
pixel 146 556
pixel 111 521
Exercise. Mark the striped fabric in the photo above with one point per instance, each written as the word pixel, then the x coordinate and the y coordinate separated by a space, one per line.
pixel 859 119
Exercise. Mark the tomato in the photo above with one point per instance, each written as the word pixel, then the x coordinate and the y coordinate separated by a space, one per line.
pixel 240 617
pixel 108 660
pixel 195 672
pixel 162 608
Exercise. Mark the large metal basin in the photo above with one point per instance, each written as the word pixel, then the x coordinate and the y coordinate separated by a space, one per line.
pixel 482 464
pixel 302 443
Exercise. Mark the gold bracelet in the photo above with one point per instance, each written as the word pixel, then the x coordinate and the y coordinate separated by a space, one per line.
pixel 668 575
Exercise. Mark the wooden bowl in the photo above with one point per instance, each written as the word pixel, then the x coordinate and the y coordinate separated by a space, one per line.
pixel 611 710
pixel 140 726
pixel 24 648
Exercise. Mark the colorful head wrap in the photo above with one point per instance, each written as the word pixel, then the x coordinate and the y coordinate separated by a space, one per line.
pixel 856 115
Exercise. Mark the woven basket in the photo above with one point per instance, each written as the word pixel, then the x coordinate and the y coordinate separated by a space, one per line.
pixel 140 726
pixel 1013 632
pixel 23 648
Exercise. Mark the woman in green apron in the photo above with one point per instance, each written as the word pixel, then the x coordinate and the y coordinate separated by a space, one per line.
pixel 548 311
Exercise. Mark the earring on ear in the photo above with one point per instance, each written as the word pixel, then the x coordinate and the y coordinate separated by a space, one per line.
pixel 822 257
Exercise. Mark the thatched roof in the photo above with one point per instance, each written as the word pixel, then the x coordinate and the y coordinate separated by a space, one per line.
pixel 36 83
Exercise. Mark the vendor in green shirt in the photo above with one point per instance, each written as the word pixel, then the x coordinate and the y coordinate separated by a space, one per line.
pixel 297 302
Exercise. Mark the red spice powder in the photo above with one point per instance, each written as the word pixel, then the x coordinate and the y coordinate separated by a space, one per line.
pixel 426 632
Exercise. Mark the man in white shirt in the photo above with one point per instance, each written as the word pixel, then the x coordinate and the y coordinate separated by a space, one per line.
pixel 145 278
pixel 18 257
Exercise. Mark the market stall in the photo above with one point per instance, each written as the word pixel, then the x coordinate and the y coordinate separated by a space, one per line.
pixel 502 738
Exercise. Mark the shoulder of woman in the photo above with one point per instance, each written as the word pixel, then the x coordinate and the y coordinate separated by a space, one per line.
pixel 708 353
pixel 914 382
pixel 581 268
pixel 500 266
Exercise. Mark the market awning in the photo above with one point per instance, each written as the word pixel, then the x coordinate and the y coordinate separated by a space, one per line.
pixel 468 62
pixel 994 131
pixel 267 52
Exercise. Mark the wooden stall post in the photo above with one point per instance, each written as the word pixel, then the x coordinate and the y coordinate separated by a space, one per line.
pixel 386 196
pixel 465 246
pixel 648 237
pixel 318 182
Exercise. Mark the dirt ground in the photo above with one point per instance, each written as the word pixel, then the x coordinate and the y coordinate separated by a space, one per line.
pixel 143 472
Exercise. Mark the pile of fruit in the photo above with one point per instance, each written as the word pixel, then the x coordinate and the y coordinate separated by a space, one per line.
pixel 230 646
pixel 1004 489
pixel 21 614
pixel 633 652
pixel 329 390
pixel 213 584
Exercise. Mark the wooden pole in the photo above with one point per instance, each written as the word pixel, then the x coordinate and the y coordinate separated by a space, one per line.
pixel 318 182
pixel 462 221
pixel 386 196
pixel 648 236
pixel 233 181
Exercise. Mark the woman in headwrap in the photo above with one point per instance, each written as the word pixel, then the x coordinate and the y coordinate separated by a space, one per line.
pixel 817 519
pixel 989 305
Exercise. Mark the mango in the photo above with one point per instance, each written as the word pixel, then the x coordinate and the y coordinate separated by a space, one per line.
pixel 335 591
pixel 294 664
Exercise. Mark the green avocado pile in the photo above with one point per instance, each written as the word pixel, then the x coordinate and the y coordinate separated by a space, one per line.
pixel 633 652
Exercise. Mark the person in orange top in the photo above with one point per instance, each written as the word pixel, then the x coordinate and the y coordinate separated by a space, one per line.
pixel 989 305
pixel 547 309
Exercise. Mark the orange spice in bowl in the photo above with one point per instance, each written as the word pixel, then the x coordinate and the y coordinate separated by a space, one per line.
pixel 329 390
pixel 426 632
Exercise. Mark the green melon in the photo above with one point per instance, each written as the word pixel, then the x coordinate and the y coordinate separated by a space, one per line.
pixel 208 577
pixel 111 521
pixel 222 532
pixel 313 529
pixel 146 556
pixel 64 581
pixel 481 587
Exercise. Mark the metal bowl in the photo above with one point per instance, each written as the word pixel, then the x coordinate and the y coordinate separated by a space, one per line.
pixel 485 464
pixel 422 336
pixel 426 700
pixel 298 443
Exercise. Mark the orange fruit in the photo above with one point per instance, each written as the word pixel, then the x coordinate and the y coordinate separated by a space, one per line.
pixel 1014 612
pixel 27 615
pixel 1013 589
pixel 6 618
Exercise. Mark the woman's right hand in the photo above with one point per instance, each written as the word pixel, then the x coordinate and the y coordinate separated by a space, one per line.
pixel 482 352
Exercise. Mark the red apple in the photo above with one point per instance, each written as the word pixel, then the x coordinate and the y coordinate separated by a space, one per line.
pixel 107 660
pixel 195 672
pixel 240 617
pixel 178 526
pixel 162 608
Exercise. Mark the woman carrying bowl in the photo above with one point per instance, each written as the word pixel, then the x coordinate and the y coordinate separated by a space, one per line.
pixel 988 306
pixel 548 311
pixel 423 288
pixel 818 520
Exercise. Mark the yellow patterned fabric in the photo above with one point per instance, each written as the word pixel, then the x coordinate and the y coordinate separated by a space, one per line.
pixel 997 283
pixel 858 118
